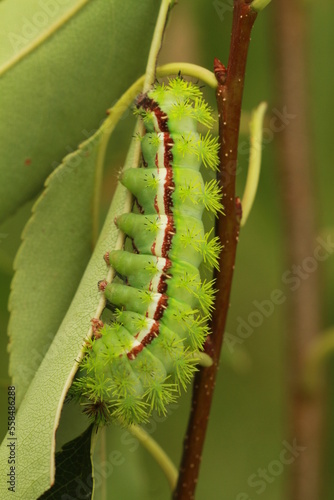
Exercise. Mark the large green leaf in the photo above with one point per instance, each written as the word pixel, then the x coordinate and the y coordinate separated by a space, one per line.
pixel 57 244
pixel 62 65
pixel 10 236
pixel 40 409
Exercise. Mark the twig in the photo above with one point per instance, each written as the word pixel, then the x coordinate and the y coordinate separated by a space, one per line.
pixel 157 453
pixel 229 97
pixel 158 35
pixel 298 201
pixel 254 164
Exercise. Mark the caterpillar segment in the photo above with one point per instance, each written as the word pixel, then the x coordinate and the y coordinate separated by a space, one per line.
pixel 138 363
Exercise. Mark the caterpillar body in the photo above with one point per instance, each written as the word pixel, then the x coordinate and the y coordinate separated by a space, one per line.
pixel 139 361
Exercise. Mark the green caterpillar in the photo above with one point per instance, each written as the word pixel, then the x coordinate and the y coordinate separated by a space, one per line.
pixel 139 361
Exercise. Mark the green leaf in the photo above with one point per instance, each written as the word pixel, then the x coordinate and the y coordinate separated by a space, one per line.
pixel 40 409
pixel 73 470
pixel 10 237
pixel 62 64
pixel 57 244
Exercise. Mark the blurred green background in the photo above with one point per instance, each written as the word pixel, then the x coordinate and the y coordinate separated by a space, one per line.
pixel 248 419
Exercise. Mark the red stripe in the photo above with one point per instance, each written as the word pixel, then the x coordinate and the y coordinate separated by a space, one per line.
pixel 149 104
pixel 161 306
pixel 152 334
pixel 169 233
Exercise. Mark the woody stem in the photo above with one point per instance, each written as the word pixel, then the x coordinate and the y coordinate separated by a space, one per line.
pixel 229 98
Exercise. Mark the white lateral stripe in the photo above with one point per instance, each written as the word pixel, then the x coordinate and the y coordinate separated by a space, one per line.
pixel 162 173
pixel 160 238
pixel 161 264
pixel 155 281
pixel 145 331
pixel 161 150
pixel 134 344
pixel 155 122
pixel 152 308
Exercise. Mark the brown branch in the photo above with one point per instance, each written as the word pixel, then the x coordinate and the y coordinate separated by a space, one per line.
pixel 229 98
pixel 299 208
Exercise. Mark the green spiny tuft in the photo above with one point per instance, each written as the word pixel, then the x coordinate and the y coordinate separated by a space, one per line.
pixel 180 109
pixel 147 296
pixel 206 296
pixel 154 139
pixel 140 112
pixel 151 268
pixel 88 363
pixel 211 197
pixel 173 347
pixel 184 369
pixel 210 250
pixel 118 314
pixel 159 395
pixel 187 281
pixel 153 225
pixel 191 238
pixel 131 410
pixel 184 316
pixel 180 88
pixel 138 135
pixel 152 181
pixel 202 112
pixel 140 323
pixel 191 191
pixel 115 326
pixel 123 383
pixel 148 370
pixel 146 115
pixel 198 330
pixel 207 149
pixel 158 92
pixel 186 145
pixel 95 387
